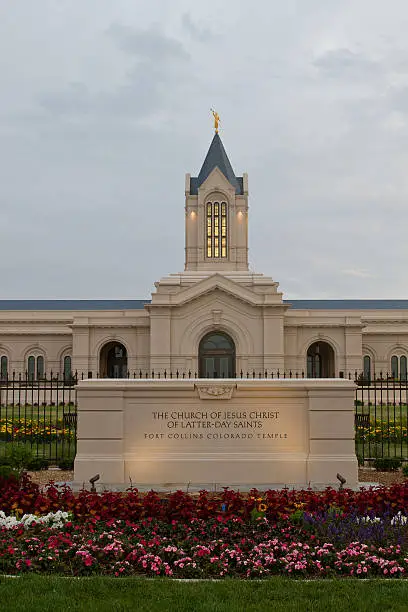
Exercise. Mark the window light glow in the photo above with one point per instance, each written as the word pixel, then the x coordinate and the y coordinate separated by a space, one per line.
pixel 216 230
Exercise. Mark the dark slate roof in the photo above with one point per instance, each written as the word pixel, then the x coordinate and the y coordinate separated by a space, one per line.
pixel 348 304
pixel 72 304
pixel 139 304
pixel 216 157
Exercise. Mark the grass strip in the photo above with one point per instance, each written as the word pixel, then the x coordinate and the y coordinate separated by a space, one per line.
pixel 48 593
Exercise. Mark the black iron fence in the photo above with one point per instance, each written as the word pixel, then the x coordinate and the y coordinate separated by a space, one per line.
pixel 38 419
pixel 41 415
pixel 381 411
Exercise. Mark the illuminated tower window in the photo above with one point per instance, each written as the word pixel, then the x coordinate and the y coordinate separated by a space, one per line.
pixel 217 230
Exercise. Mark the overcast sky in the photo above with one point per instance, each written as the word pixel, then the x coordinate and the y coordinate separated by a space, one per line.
pixel 104 106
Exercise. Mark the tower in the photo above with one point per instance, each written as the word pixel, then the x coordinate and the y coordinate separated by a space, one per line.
pixel 216 232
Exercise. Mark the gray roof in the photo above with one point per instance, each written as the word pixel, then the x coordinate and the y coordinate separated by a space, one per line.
pixel 348 304
pixel 72 304
pixel 139 304
pixel 216 157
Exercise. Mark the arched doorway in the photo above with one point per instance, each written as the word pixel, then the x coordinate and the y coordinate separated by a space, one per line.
pixel 113 361
pixel 216 356
pixel 320 360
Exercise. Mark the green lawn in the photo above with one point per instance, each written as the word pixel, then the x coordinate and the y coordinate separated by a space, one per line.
pixel 49 413
pixel 382 412
pixel 47 594
pixel 374 450
pixel 389 419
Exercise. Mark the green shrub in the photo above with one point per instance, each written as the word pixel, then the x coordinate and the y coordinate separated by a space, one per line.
pixel 7 471
pixel 297 517
pixel 66 464
pixel 4 460
pixel 18 456
pixel 387 464
pixel 360 460
pixel 405 470
pixel 38 463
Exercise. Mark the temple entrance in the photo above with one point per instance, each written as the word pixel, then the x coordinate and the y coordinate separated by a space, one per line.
pixel 320 360
pixel 113 361
pixel 216 356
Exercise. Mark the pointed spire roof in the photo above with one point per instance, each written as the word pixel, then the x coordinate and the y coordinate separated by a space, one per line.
pixel 216 158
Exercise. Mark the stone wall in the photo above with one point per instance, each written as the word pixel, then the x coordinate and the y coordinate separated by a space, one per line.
pixel 238 433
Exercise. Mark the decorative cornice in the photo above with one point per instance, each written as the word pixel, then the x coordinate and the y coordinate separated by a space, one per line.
pixel 35 321
pixel 34 332
pixel 385 321
pixel 214 390
pixel 112 325
pixel 316 324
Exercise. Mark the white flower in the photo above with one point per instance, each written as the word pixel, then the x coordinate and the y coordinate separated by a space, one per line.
pixel 369 519
pixel 54 520
pixel 399 519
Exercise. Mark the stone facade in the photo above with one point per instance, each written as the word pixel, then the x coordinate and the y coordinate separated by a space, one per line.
pixel 215 294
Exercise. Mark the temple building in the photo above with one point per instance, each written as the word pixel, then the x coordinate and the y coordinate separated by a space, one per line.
pixel 214 319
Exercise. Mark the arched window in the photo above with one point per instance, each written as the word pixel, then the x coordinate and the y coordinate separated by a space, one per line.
pixel 31 367
pixel 217 230
pixel 217 356
pixel 67 368
pixel 394 366
pixel 40 367
pixel 3 367
pixel 35 367
pixel 367 368
pixel 399 367
pixel 403 368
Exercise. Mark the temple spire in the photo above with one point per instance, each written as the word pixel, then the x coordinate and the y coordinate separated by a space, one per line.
pixel 216 158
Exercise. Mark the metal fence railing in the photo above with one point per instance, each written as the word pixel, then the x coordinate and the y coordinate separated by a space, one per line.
pixel 41 415
pixel 38 417
pixel 381 417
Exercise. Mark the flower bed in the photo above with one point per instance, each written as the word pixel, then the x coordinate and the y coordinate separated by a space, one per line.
pixel 34 431
pixel 199 549
pixel 382 432
pixel 296 533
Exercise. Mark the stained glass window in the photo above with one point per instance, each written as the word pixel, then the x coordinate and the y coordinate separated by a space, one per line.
pixel 217 230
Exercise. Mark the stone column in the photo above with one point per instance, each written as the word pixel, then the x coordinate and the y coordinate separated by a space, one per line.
pixel 331 432
pixel 80 346
pixel 100 434
pixel 160 338
pixel 274 349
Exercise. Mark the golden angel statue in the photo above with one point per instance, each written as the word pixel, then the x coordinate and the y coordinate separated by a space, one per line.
pixel 216 120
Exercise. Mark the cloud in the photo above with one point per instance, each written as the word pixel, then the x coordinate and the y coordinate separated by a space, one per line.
pixel 105 106
pixel 158 67
pixel 345 63
pixel 358 273
pixel 151 45
pixel 200 34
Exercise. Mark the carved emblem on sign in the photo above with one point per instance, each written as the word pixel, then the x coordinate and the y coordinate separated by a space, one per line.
pixel 215 391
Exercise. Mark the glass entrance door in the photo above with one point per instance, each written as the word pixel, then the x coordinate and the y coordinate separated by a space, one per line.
pixel 116 362
pixel 217 356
